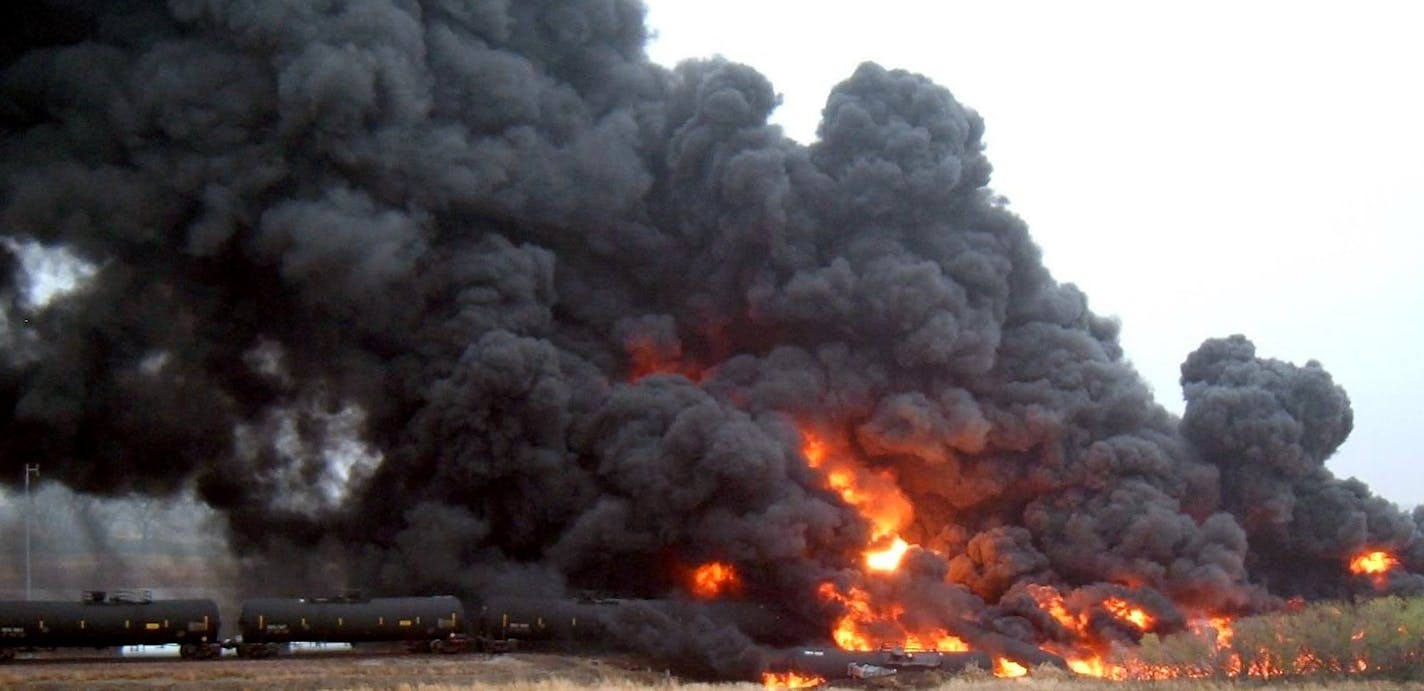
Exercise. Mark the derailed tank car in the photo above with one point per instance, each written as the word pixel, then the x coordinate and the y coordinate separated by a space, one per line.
pixel 427 623
pixel 103 620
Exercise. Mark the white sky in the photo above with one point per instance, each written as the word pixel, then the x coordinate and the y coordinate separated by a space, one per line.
pixel 1199 169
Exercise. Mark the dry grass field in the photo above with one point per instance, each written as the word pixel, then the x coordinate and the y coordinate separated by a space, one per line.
pixel 326 671
pixel 515 672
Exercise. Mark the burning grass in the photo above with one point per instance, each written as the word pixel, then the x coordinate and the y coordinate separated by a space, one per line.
pixel 957 684
pixel 1381 638
pixel 951 685
pixel 544 673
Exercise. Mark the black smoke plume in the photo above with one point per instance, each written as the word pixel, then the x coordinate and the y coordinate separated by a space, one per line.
pixel 430 295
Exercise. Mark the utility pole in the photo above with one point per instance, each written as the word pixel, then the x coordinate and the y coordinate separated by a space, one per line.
pixel 30 469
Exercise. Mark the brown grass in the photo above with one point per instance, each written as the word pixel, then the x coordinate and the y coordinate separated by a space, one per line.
pixel 516 672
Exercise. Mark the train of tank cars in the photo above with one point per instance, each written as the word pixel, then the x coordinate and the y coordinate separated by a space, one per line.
pixel 440 624
pixel 127 618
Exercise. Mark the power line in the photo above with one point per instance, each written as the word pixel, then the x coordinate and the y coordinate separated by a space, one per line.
pixel 31 469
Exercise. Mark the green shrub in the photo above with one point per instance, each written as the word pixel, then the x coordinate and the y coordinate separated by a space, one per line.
pixel 1381 638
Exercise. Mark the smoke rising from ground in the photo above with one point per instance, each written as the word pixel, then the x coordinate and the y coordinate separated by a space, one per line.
pixel 471 295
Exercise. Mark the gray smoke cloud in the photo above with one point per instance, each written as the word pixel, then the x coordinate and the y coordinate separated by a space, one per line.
pixel 471 296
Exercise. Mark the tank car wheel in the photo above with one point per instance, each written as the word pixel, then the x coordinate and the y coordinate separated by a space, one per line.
pixel 198 651
pixel 440 645
pixel 7 654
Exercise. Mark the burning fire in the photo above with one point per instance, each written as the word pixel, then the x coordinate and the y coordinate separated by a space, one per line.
pixel 874 494
pixel 872 621
pixel 1124 611
pixel 1374 563
pixel 1223 627
pixel 1092 667
pixel 866 627
pixel 877 497
pixel 1004 667
pixel 1051 601
pixel 715 579
pixel 790 680
pixel 1086 655
pixel 889 558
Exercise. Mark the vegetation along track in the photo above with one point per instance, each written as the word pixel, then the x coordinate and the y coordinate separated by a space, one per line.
pixel 514 672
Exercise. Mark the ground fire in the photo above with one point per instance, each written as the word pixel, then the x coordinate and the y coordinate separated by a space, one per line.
pixel 790 680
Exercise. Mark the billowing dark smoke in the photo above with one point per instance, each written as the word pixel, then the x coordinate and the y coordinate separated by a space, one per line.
pixel 1269 426
pixel 436 295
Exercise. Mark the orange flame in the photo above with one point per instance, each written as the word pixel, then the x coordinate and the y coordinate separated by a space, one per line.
pixel 847 632
pixel 1221 626
pixel 870 621
pixel 874 494
pixel 877 497
pixel 1373 563
pixel 1094 667
pixel 714 579
pixel 1086 654
pixel 1224 630
pixel 790 680
pixel 889 558
pixel 939 641
pixel 1051 601
pixel 1004 667
pixel 1124 611
pixel 866 627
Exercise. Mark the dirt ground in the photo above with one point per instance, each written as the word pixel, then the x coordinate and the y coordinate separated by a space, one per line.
pixel 322 671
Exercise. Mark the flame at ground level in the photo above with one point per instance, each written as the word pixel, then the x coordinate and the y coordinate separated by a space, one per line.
pixel 1221 628
pixel 1093 667
pixel 790 680
pixel 1004 667
pixel 866 626
pixel 1097 619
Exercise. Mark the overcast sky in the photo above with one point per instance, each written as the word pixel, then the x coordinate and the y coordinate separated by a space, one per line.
pixel 1199 169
